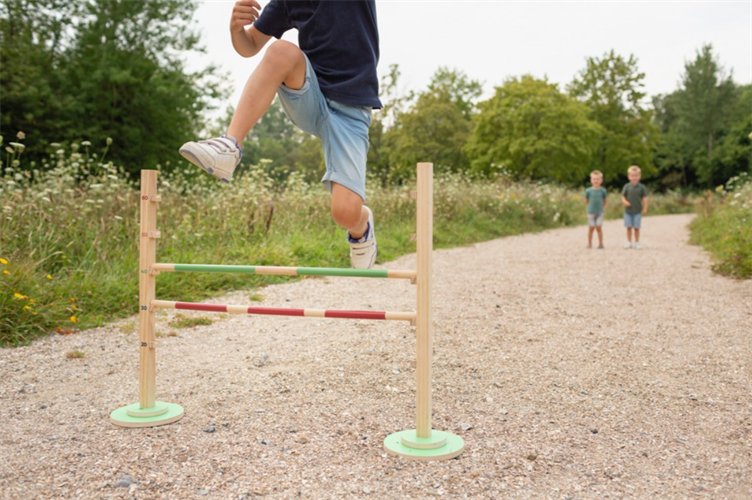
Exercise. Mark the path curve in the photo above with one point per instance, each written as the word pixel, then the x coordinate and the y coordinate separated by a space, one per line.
pixel 570 373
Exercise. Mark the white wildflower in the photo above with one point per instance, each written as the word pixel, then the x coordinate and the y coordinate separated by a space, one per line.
pixel 117 217
pixel 90 201
pixel 46 199
pixel 60 152
pixel 85 143
pixel 55 145
pixel 21 135
pixel 20 147
pixel 109 141
pixel 96 186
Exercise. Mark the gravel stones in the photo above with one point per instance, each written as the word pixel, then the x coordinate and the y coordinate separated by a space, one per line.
pixel 660 346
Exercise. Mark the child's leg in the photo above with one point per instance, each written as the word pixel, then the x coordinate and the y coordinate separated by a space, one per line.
pixel 636 235
pixel 600 235
pixel 629 234
pixel 348 211
pixel 590 236
pixel 283 62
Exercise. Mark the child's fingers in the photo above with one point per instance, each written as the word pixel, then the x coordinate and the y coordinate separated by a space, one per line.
pixel 248 3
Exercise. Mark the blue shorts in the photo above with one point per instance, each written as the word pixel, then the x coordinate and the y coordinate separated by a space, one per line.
pixel 632 220
pixel 343 130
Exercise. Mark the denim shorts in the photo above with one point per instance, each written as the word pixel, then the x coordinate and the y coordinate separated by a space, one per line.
pixel 595 220
pixel 632 220
pixel 343 130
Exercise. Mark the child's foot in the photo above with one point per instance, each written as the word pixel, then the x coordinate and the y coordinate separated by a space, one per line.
pixel 217 156
pixel 363 251
pixel 601 247
pixel 628 245
pixel 637 245
pixel 589 247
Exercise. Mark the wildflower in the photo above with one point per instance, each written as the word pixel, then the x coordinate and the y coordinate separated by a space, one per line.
pixel 26 308
pixel 109 141
pixel 20 147
pixel 49 277
pixel 72 299
pixel 1 139
pixel 9 149
pixel 18 295
pixel 3 261
pixel 74 319
pixel 34 313
pixel 6 271
pixel 85 143
pixel 21 135
pixel 60 152
pixel 55 144
pixel 31 301
pixel 96 186
pixel 73 308
pixel 118 217
pixel 46 199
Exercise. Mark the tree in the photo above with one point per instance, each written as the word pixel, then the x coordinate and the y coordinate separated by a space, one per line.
pixel 695 120
pixel 611 87
pixel 34 34
pixel 115 70
pixel 436 127
pixel 532 130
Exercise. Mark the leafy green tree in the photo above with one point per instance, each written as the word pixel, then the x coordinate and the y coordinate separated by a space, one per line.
pixel 611 88
pixel 436 127
pixel 702 124
pixel 532 130
pixel 34 34
pixel 131 81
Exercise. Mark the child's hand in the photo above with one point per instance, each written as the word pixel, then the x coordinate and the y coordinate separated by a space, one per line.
pixel 244 13
pixel 645 211
pixel 627 204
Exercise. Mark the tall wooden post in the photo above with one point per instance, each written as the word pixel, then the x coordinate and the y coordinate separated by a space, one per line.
pixel 424 443
pixel 148 412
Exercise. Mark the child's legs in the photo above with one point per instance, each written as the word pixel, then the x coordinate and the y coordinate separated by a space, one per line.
pixel 348 211
pixel 283 62
pixel 590 236
pixel 629 234
pixel 599 229
pixel 637 235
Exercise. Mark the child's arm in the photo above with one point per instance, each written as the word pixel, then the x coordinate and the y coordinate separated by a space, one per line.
pixel 644 205
pixel 246 42
pixel 624 200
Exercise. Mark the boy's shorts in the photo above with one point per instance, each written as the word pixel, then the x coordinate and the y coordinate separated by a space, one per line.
pixel 594 220
pixel 632 220
pixel 343 130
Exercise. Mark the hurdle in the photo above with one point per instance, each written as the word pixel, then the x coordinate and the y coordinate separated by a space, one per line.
pixel 421 443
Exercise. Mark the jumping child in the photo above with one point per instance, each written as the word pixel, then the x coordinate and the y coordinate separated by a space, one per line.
pixel 327 87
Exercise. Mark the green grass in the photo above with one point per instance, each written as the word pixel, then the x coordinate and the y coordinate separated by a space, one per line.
pixel 69 233
pixel 723 227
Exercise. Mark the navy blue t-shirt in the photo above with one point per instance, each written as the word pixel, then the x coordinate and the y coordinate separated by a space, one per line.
pixel 340 38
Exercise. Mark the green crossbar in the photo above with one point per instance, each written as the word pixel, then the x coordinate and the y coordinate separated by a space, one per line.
pixel 300 271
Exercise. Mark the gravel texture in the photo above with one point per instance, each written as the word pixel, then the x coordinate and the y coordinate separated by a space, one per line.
pixel 570 373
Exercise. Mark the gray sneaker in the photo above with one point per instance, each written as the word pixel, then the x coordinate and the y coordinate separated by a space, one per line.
pixel 217 156
pixel 363 251
pixel 628 245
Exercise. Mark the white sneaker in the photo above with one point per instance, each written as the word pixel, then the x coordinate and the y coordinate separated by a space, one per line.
pixel 628 245
pixel 363 251
pixel 637 246
pixel 217 156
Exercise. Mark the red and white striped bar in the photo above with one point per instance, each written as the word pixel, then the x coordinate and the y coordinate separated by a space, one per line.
pixel 278 311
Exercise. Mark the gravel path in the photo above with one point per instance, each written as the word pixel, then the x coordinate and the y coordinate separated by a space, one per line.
pixel 570 373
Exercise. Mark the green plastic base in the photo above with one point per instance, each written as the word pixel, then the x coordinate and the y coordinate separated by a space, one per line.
pixel 135 416
pixel 440 446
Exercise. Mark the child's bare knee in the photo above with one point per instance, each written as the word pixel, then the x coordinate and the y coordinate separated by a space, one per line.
pixel 282 51
pixel 346 215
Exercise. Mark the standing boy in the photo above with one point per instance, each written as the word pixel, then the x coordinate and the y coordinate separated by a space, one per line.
pixel 596 197
pixel 634 196
pixel 327 87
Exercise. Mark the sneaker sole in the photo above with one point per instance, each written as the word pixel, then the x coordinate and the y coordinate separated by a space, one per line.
pixel 188 155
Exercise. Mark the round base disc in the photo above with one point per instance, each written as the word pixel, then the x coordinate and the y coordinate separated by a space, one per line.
pixel 126 416
pixel 394 444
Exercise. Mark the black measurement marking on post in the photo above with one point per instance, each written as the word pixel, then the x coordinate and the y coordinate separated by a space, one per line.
pixel 144 308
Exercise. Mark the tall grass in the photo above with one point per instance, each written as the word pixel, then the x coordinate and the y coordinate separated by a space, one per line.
pixel 69 232
pixel 723 226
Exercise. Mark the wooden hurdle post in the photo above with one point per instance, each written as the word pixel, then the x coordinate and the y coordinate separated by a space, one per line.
pixel 148 412
pixel 421 443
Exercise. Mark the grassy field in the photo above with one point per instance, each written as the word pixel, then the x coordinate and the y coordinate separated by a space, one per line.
pixel 68 236
pixel 724 227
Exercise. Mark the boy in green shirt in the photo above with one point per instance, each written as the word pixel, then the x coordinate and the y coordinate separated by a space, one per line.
pixel 596 197
pixel 634 196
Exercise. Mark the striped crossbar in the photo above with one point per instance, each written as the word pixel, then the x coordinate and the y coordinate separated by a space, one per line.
pixel 290 271
pixel 278 311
